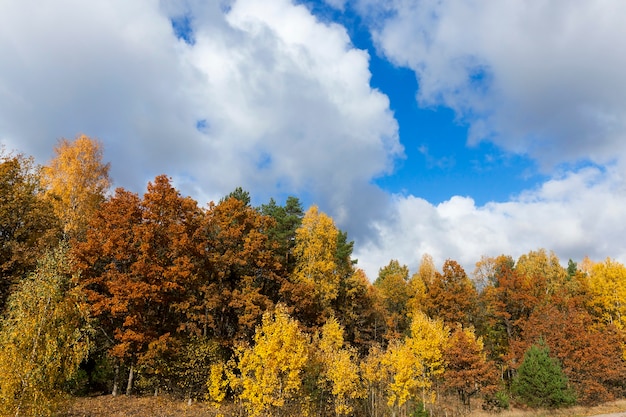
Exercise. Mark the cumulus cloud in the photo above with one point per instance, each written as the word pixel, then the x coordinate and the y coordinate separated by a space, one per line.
pixel 258 94
pixel 546 78
pixel 577 214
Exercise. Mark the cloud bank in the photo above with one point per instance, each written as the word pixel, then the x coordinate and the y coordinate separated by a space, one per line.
pixel 543 79
pixel 255 94
pixel 262 94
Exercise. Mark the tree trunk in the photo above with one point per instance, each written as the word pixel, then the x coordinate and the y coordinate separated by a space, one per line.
pixel 131 375
pixel 116 380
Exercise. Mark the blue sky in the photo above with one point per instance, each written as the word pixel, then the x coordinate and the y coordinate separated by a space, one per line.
pixel 457 129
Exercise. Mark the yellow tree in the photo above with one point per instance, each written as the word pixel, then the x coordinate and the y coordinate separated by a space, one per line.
pixel 376 376
pixel 607 287
pixel 340 369
pixel 416 362
pixel 272 369
pixel 392 283
pixel 76 181
pixel 28 226
pixel 418 284
pixel 543 268
pixel 316 267
pixel 43 339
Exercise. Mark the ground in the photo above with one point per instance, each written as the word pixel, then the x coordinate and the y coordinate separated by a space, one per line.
pixel 161 406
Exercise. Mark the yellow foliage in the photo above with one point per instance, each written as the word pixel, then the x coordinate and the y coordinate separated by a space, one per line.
pixel 416 361
pixel 315 250
pixel 217 383
pixel 76 181
pixel 340 369
pixel 271 370
pixel 607 285
pixel 43 339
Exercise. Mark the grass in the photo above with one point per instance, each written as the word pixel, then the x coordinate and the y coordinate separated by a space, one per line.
pixel 163 406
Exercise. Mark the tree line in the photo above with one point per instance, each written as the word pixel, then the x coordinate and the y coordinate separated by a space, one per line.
pixel 264 311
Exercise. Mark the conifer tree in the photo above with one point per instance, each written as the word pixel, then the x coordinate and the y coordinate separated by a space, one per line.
pixel 540 381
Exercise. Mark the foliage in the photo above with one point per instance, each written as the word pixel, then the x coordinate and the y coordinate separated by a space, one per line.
pixel 392 284
pixel 415 362
pixel 136 263
pixel 28 226
pixel 607 290
pixel 340 369
pixel 591 354
pixel 452 296
pixel 540 382
pixel 272 369
pixel 239 276
pixel 467 370
pixel 316 267
pixel 77 181
pixel 45 335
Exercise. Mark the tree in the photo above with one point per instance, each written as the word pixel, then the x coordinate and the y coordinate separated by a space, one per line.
pixel 288 219
pixel 415 362
pixel 316 270
pixel 272 369
pixel 137 263
pixel 44 337
pixel 392 283
pixel 340 369
pixel 468 371
pixel 28 227
pixel 240 276
pixel 76 181
pixel 452 296
pixel 591 353
pixel 360 312
pixel 607 292
pixel 540 382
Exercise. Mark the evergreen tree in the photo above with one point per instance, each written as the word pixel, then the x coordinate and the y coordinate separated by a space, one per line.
pixel 540 381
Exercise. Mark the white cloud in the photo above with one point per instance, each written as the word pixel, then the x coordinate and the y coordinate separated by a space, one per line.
pixel 282 101
pixel 547 78
pixel 576 215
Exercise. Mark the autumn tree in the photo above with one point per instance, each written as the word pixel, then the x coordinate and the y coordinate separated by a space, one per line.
pixel 77 181
pixel 607 292
pixel 272 368
pixel 452 296
pixel 591 353
pixel 315 276
pixel 28 227
pixel 240 274
pixel 416 362
pixel 340 370
pixel 418 284
pixel 544 270
pixel 392 283
pixel 137 263
pixel 44 336
pixel 508 300
pixel 467 371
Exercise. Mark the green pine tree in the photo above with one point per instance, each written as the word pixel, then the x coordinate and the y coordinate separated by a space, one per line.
pixel 540 381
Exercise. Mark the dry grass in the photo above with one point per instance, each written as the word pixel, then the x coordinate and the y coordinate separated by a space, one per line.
pixel 578 411
pixel 123 406
pixel 163 406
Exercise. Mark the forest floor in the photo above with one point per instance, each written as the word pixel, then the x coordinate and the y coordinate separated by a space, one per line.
pixel 162 406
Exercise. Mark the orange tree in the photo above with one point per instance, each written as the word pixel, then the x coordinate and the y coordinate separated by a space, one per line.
pixel 137 263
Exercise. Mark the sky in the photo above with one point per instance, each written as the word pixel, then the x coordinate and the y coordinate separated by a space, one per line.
pixel 458 129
